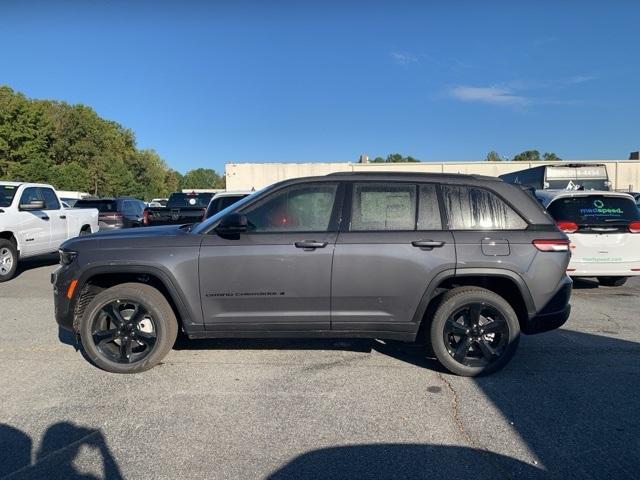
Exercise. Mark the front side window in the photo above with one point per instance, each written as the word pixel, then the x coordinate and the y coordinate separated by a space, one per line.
pixel 470 208
pixel 50 200
pixel 30 195
pixel 299 208
pixel 383 207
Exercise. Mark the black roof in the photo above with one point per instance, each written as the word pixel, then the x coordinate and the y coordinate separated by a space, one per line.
pixel 409 175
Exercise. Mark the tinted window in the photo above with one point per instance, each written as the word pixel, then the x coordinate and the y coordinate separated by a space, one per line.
pixel 195 200
pixel 221 203
pixel 30 194
pixel 102 205
pixel 50 200
pixel 303 208
pixel 428 209
pixel 7 192
pixel 129 207
pixel 594 209
pixel 470 208
pixel 380 207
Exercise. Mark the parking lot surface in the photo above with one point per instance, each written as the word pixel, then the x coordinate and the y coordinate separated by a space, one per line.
pixel 567 406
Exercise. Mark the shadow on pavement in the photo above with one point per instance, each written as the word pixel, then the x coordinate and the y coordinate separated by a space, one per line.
pixel 58 452
pixel 36 262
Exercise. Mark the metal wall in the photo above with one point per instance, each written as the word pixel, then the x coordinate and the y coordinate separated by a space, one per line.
pixel 624 174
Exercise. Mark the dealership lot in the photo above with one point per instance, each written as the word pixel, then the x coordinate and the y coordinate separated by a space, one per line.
pixel 566 407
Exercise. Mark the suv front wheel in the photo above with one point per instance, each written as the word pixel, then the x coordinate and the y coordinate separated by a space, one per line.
pixel 474 331
pixel 128 328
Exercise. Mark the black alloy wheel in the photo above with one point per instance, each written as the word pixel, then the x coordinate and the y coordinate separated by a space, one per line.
pixel 124 331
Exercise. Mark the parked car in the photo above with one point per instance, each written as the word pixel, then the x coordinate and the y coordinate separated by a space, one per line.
pixel 161 201
pixel 563 176
pixel 34 222
pixel 604 229
pixel 181 208
pixel 469 262
pixel 116 213
pixel 222 200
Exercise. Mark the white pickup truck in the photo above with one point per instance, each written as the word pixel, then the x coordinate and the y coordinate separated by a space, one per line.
pixel 33 222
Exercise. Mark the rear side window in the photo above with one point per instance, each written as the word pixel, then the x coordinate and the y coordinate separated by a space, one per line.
pixel 594 209
pixel 470 208
pixel 7 192
pixel 50 200
pixel 382 207
pixel 428 209
pixel 103 206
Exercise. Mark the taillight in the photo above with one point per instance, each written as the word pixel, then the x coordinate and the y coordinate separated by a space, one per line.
pixel 552 245
pixel 145 217
pixel 567 227
pixel 634 227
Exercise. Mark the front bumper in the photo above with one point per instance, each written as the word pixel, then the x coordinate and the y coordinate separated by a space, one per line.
pixel 64 307
pixel 554 314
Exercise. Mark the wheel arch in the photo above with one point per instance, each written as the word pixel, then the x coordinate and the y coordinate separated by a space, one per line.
pixel 97 278
pixel 506 283
pixel 8 235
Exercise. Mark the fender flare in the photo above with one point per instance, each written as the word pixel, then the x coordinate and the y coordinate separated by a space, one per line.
pixel 473 272
pixel 189 318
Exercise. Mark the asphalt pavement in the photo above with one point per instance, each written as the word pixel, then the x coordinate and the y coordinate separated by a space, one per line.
pixel 567 406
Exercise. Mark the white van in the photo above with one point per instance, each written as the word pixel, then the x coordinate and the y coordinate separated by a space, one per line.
pixel 604 229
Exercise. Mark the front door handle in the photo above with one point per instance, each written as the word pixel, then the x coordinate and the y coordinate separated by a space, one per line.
pixel 427 244
pixel 45 217
pixel 310 244
pixel 63 216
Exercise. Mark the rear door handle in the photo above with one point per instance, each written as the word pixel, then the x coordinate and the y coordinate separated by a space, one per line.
pixel 63 216
pixel 310 244
pixel 427 244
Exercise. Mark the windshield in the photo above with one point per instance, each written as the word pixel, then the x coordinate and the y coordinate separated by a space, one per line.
pixel 102 205
pixel 184 200
pixel 7 192
pixel 203 226
pixel 594 209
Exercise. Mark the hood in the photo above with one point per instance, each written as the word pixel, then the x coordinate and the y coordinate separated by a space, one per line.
pixel 141 237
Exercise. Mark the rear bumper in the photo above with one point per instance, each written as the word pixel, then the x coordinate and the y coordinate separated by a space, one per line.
pixel 554 314
pixel 617 269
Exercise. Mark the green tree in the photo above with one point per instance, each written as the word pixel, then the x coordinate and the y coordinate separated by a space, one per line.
pixel 551 157
pixel 202 178
pixel 394 158
pixel 493 156
pixel 527 156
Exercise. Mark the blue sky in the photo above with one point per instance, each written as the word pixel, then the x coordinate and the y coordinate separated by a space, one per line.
pixel 205 84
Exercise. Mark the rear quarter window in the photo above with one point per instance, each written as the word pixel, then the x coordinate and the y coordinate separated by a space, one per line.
pixel 472 208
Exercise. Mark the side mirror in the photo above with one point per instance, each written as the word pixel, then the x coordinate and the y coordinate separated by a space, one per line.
pixel 33 205
pixel 232 224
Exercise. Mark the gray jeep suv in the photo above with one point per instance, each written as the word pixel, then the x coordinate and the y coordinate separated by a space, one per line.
pixel 464 262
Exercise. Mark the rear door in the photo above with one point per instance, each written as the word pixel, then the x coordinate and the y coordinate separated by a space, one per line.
pixel 390 247
pixel 57 218
pixel 277 276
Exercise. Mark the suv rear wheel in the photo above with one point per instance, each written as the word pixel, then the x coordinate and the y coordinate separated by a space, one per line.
pixel 128 328
pixel 612 281
pixel 474 331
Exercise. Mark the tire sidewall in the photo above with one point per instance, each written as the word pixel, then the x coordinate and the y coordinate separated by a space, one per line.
pixel 164 322
pixel 14 252
pixel 454 301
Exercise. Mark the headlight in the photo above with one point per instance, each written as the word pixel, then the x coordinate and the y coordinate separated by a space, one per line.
pixel 67 256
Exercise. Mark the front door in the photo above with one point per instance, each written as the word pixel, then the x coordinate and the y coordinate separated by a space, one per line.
pixel 390 249
pixel 34 228
pixel 57 218
pixel 277 276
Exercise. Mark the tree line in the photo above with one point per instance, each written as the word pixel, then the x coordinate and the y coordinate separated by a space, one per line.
pixel 526 156
pixel 72 148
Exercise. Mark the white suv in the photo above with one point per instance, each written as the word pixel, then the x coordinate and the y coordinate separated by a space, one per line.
pixel 604 229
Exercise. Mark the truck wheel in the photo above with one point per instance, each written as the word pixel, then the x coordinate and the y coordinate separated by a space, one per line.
pixel 474 331
pixel 128 328
pixel 8 260
pixel 612 281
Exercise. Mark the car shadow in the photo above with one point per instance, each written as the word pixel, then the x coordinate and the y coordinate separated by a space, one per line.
pixel 585 283
pixel 35 262
pixel 59 449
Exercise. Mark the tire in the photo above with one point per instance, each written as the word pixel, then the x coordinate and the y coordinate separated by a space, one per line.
pixel 612 281
pixel 147 346
pixel 468 350
pixel 8 259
